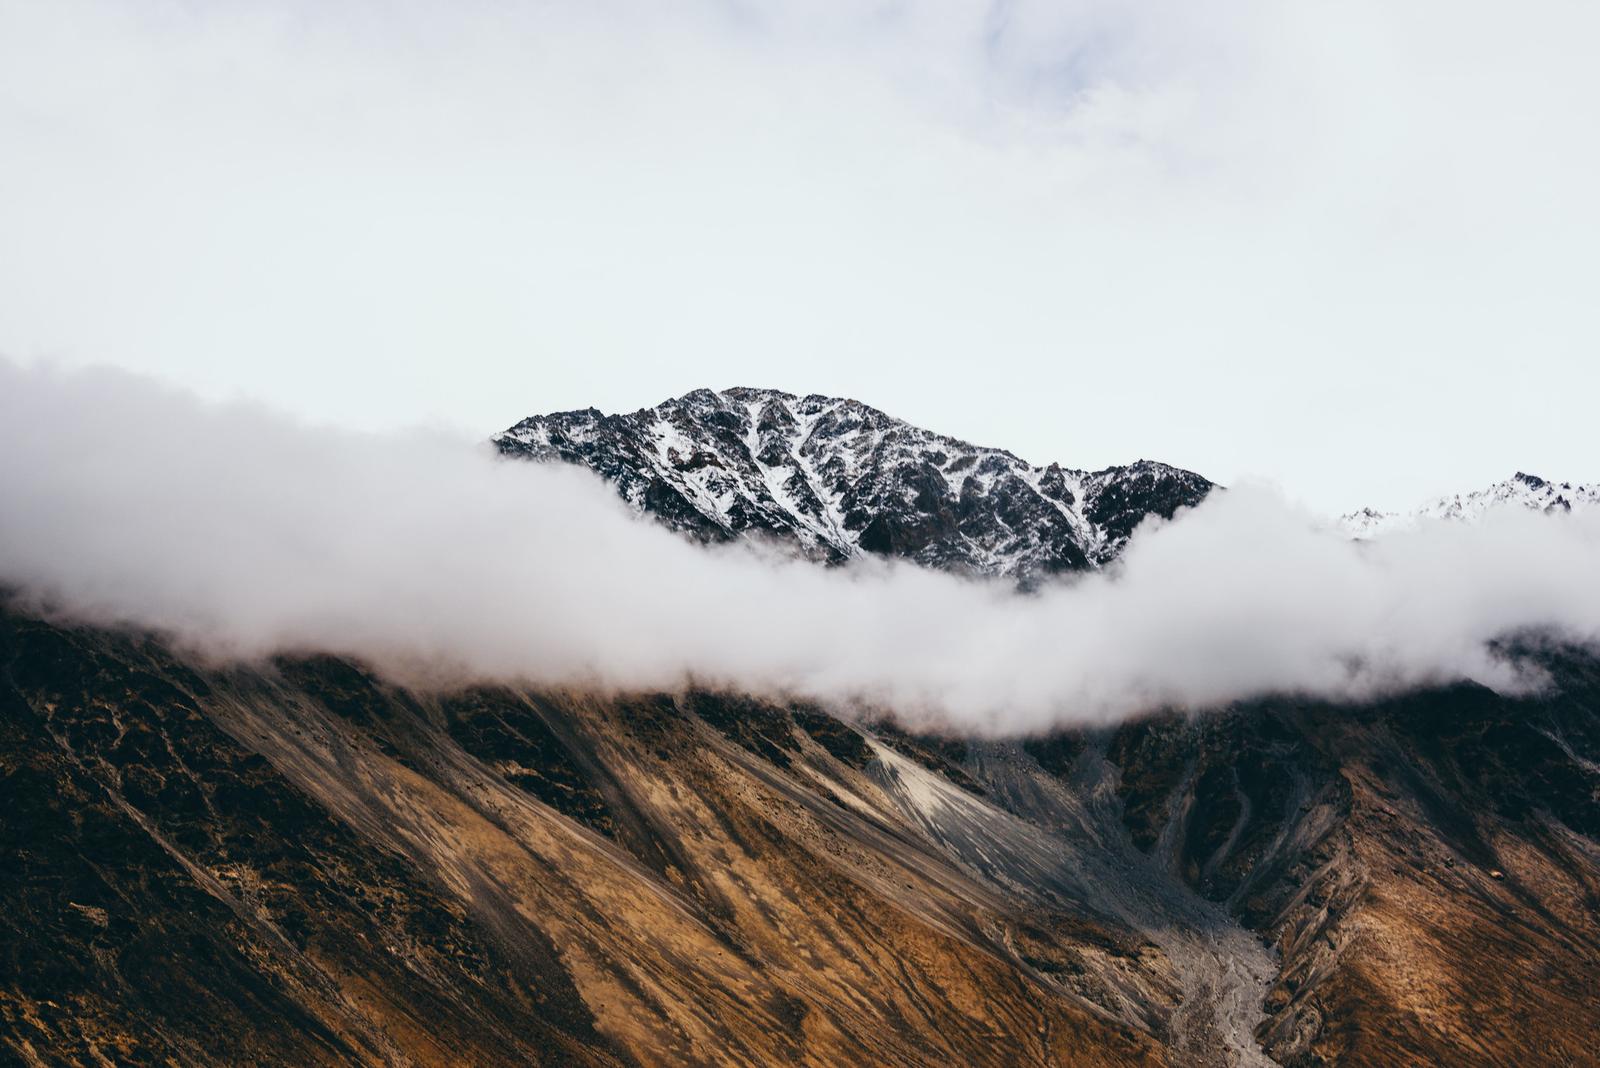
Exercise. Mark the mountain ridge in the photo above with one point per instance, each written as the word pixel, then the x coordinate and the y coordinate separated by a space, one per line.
pixel 1520 490
pixel 837 479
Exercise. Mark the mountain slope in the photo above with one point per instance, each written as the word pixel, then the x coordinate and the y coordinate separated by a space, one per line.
pixel 301 864
pixel 836 479
pixel 1426 867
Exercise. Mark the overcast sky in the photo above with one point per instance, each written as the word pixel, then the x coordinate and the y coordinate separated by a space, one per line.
pixel 1350 247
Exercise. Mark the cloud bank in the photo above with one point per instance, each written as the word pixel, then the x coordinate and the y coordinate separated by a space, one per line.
pixel 242 533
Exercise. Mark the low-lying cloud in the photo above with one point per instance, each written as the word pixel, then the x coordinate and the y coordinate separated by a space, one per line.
pixel 243 533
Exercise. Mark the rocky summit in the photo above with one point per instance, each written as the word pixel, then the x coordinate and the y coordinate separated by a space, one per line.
pixel 835 479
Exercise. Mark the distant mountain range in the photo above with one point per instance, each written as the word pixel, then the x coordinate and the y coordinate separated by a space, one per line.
pixel 835 479
pixel 1519 491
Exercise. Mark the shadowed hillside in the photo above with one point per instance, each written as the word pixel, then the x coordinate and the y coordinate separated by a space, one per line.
pixel 301 864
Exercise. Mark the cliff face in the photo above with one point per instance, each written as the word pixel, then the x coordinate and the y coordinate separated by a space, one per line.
pixel 298 863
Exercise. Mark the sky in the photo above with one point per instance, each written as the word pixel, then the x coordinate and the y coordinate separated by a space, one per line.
pixel 1347 248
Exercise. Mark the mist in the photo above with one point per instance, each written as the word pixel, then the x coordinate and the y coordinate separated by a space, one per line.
pixel 240 533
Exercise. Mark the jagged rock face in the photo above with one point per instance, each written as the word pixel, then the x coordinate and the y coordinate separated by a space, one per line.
pixel 837 479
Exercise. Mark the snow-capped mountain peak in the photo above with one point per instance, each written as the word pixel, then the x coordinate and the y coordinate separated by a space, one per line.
pixel 1521 490
pixel 837 478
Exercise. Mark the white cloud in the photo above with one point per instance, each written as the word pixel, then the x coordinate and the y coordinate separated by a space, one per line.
pixel 244 533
